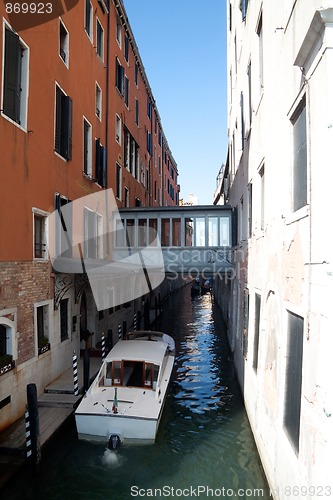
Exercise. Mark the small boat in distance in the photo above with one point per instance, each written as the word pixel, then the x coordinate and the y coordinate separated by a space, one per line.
pixel 195 287
pixel 206 286
pixel 126 399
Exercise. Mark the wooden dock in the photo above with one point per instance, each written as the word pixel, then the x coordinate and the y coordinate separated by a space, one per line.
pixel 54 407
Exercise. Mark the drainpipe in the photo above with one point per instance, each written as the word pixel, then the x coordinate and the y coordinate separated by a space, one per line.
pixel 107 129
pixel 107 95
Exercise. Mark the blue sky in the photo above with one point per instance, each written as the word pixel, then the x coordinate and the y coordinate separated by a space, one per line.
pixel 182 44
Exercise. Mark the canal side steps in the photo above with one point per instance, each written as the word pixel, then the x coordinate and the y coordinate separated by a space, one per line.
pixel 60 393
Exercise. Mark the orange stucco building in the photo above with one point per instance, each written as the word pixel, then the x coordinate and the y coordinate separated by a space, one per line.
pixel 77 116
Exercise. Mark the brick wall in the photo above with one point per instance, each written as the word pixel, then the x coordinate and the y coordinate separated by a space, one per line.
pixel 21 285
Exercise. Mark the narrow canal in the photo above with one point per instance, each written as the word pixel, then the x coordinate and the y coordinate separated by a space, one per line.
pixel 204 449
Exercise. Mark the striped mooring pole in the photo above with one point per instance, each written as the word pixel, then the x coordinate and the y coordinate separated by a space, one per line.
pixel 27 433
pixel 135 322
pixel 75 376
pixel 103 347
pixel 119 331
pixel 33 417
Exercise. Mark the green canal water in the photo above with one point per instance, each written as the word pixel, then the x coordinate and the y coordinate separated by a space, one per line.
pixel 204 448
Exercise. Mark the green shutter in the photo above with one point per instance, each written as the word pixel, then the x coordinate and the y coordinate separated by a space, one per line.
pixel 12 76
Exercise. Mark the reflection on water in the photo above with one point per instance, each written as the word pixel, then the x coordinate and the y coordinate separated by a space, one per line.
pixel 204 438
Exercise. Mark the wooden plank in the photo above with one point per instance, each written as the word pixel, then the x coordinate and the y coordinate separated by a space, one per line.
pixel 50 419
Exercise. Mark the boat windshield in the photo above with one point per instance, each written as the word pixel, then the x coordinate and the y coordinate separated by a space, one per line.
pixel 129 373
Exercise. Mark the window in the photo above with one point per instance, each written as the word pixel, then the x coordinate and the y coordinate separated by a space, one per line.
pixel 99 40
pixel 42 325
pixel 293 389
pixel 136 111
pixel 118 181
pixel 131 154
pixel 118 129
pixel 100 164
pixel 249 210
pixel 63 43
pixel 126 91
pixel 262 197
pixel 260 54
pixel 126 48
pixel 240 221
pixel 257 306
pixel 243 5
pixel 120 77
pixel 63 227
pixel 149 143
pixel 149 108
pixel 40 236
pixel 15 78
pixel 87 148
pixel 249 90
pixel 6 347
pixel 63 125
pixel 241 102
pixel 246 304
pixel 64 330
pixel 300 156
pixel 98 101
pixel 165 232
pixel 93 234
pixel 88 19
pixel 176 231
pixel 119 32
pixel 136 74
pixel 199 232
pixel 126 197
pixel 225 232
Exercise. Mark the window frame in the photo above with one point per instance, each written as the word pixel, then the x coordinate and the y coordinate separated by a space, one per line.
pixel 43 216
pixel 63 124
pixel 292 409
pixel 46 306
pixel 98 101
pixel 88 29
pixel 120 77
pixel 118 181
pixel 99 40
pixel 64 334
pixel 22 84
pixel 65 49
pixel 87 148
pixel 300 170
pixel 119 32
pixel 118 134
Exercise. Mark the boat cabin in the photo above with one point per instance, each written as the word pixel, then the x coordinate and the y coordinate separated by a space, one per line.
pixel 131 364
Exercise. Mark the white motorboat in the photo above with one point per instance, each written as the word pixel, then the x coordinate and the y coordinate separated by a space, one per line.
pixel 126 399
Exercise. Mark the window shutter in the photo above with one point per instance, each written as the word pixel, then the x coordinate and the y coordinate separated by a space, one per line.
pixel 12 76
pixel 97 160
pixel 57 134
pixel 100 165
pixel 69 128
pixel 104 169
pixel 122 79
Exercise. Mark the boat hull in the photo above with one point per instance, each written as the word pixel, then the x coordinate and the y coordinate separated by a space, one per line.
pixel 129 429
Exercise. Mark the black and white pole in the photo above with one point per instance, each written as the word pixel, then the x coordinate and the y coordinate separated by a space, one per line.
pixel 27 434
pixel 34 423
pixel 119 331
pixel 135 322
pixel 75 376
pixel 103 347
